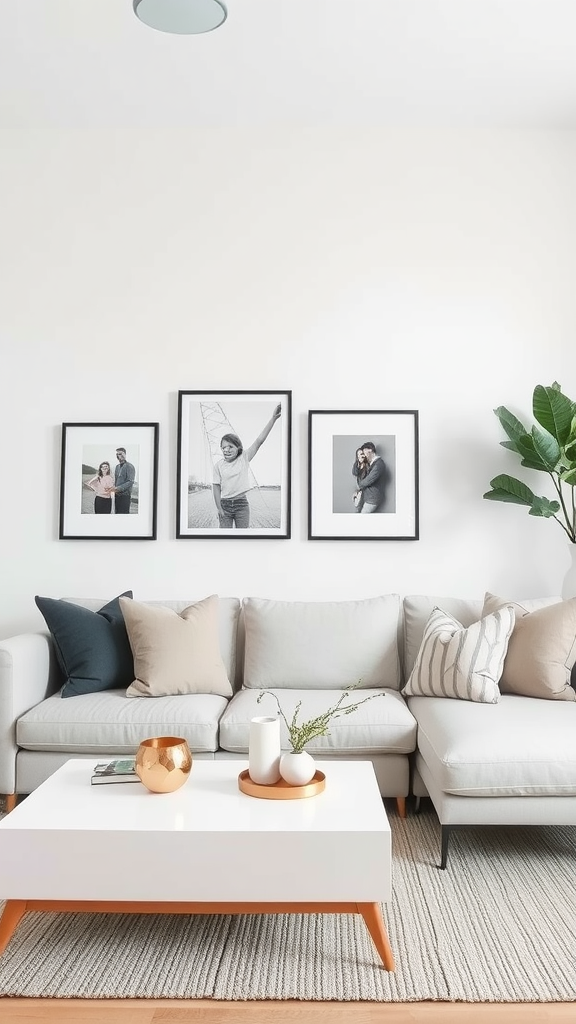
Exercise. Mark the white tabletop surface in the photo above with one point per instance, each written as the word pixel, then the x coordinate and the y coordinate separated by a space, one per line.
pixel 206 841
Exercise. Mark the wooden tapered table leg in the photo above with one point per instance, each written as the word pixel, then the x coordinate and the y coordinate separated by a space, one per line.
pixel 13 911
pixel 374 922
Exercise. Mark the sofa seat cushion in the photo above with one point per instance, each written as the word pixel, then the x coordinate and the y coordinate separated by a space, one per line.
pixel 109 721
pixel 521 746
pixel 383 725
pixel 322 645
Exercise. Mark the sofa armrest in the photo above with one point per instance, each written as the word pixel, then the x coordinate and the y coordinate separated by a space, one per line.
pixel 27 677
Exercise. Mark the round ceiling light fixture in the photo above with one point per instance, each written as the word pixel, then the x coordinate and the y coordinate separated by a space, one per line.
pixel 182 17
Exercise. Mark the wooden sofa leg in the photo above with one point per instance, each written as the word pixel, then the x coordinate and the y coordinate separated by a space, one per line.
pixel 401 806
pixel 10 801
pixel 445 839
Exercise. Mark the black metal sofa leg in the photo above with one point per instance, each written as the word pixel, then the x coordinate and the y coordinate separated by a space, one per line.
pixel 446 830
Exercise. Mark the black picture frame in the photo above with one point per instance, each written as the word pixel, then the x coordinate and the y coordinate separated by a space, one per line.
pixel 333 440
pixel 263 510
pixel 86 448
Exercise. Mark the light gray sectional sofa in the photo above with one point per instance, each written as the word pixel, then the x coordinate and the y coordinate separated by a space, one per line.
pixel 511 761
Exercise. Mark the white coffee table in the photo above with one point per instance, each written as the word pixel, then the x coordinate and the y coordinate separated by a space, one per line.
pixel 206 849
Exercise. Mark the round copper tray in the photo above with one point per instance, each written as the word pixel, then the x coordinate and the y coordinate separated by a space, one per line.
pixel 281 790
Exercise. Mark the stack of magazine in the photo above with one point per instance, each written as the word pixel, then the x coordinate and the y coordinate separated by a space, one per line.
pixel 121 769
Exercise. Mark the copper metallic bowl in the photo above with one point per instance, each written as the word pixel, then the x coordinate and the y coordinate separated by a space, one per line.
pixel 163 763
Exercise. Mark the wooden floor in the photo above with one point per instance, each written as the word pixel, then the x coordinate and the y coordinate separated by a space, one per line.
pixel 206 1011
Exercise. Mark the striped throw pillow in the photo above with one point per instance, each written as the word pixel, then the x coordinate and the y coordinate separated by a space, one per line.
pixel 465 663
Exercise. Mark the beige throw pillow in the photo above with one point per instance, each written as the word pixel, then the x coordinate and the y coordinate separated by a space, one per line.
pixel 463 663
pixel 542 649
pixel 175 653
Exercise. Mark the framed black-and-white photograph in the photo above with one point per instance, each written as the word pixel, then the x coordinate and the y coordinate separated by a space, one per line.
pixel 109 481
pixel 363 475
pixel 234 452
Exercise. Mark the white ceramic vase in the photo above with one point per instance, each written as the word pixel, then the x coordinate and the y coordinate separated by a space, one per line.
pixel 297 769
pixel 569 584
pixel 264 751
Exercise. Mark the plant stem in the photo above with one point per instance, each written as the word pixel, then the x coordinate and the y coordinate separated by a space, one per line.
pixel 569 528
pixel 302 734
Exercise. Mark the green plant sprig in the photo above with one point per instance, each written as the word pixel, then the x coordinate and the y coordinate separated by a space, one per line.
pixel 302 733
pixel 549 447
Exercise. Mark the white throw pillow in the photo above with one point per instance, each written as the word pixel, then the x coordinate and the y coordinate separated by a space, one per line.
pixel 175 653
pixel 460 662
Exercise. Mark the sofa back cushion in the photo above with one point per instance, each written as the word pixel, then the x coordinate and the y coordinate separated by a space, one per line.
pixel 322 645
pixel 228 615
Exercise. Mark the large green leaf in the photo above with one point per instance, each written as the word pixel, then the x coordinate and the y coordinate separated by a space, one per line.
pixel 510 423
pixel 544 507
pixel 530 457
pixel 547 448
pixel 508 488
pixel 554 411
pixel 534 463
pixel 569 452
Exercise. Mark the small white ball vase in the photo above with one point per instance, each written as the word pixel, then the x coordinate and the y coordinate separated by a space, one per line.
pixel 297 769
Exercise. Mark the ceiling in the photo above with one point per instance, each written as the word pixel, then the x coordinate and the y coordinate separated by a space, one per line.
pixel 450 63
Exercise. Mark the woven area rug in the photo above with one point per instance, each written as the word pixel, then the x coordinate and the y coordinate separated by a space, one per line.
pixel 498 925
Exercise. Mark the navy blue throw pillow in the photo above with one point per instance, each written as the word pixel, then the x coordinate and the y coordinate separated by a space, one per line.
pixel 92 648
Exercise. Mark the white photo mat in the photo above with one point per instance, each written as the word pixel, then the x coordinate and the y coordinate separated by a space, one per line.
pixel 333 439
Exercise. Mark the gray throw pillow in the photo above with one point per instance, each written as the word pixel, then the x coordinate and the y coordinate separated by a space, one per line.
pixel 92 648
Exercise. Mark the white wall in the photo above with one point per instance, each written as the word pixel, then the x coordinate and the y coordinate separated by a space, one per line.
pixel 372 270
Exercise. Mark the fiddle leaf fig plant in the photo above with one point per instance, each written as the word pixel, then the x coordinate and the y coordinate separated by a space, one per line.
pixel 548 447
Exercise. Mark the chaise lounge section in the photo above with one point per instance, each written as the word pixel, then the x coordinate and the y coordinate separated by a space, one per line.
pixel 512 762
